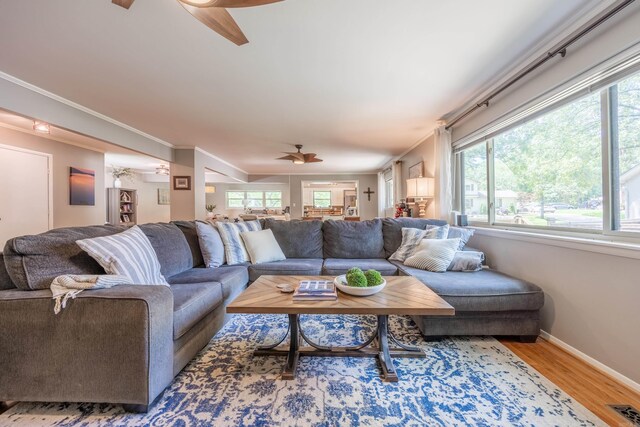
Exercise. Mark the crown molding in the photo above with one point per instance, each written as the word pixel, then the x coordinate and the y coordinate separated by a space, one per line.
pixel 39 90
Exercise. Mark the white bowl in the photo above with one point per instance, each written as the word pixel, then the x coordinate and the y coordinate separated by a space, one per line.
pixel 341 283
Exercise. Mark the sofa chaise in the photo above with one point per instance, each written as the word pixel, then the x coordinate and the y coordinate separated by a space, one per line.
pixel 124 345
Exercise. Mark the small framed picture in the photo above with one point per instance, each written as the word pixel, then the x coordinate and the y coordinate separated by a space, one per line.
pixel 182 183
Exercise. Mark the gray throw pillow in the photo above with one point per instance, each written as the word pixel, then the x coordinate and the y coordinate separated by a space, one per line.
pixel 466 261
pixel 464 234
pixel 211 244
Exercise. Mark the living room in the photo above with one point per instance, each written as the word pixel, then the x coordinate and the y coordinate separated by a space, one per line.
pixel 344 213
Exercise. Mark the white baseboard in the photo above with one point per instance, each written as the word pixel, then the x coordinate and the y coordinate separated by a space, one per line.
pixel 591 361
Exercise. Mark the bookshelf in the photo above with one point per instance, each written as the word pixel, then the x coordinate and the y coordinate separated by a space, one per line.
pixel 122 206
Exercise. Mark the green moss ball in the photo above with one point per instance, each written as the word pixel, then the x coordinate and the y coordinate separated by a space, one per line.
pixel 354 270
pixel 374 278
pixel 357 279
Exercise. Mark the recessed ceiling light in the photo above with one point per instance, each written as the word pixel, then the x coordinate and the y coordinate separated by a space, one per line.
pixel 41 127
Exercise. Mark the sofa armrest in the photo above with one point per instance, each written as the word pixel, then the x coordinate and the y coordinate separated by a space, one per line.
pixel 108 345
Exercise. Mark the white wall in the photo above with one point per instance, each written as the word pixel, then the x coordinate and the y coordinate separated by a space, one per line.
pixel 591 298
pixel 65 156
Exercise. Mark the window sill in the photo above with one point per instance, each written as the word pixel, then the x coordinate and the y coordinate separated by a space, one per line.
pixel 599 244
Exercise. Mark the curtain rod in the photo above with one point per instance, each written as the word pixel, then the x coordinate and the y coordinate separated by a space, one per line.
pixel 560 49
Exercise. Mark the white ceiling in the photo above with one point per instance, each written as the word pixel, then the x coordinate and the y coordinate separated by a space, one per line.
pixel 356 82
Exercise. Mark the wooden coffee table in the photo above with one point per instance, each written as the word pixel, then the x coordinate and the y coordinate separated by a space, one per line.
pixel 403 295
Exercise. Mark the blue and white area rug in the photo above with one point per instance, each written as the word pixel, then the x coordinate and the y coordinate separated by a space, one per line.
pixel 463 381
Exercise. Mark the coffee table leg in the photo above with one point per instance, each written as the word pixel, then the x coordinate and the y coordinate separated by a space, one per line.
pixel 388 370
pixel 289 371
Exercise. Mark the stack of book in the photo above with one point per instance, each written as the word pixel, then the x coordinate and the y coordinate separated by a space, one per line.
pixel 315 290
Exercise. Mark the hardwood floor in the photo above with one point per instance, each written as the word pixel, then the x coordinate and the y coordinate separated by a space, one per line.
pixel 592 388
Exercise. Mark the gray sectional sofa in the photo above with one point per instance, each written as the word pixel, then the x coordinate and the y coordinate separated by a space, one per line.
pixel 125 344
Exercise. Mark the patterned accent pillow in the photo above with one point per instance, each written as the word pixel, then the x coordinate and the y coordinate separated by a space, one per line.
pixel 411 237
pixel 464 234
pixel 435 232
pixel 234 249
pixel 433 254
pixel 128 254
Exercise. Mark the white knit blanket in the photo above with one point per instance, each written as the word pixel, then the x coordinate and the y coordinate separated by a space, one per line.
pixel 70 285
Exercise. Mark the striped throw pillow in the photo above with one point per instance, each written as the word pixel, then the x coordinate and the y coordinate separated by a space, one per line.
pixel 433 254
pixel 128 254
pixel 234 250
pixel 411 237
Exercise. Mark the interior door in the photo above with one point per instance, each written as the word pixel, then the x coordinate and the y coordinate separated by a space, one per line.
pixel 24 193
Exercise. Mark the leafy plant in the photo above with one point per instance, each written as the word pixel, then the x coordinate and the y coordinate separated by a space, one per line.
pixel 118 172
pixel 374 278
pixel 357 279
pixel 210 208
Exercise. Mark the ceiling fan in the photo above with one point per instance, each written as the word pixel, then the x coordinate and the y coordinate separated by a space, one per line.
pixel 213 14
pixel 300 158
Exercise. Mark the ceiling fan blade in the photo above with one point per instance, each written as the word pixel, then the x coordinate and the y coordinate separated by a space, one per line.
pixel 290 158
pixel 219 20
pixel 313 160
pixel 124 3
pixel 242 3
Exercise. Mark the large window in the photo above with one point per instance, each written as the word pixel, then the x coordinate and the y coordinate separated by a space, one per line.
pixel 625 141
pixel 475 183
pixel 322 199
pixel 576 167
pixel 548 172
pixel 254 199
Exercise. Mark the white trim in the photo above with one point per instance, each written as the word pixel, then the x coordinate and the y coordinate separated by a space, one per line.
pixel 49 158
pixel 316 173
pixel 57 138
pixel 208 154
pixel 33 88
pixel 595 243
pixel 628 382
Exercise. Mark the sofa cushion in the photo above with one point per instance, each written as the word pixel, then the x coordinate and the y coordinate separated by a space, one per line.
pixel 337 266
pixel 191 303
pixel 5 280
pixel 171 247
pixel 485 290
pixel 128 254
pixel 287 267
pixel 392 230
pixel 353 239
pixel 34 261
pixel 188 228
pixel 233 278
pixel 297 238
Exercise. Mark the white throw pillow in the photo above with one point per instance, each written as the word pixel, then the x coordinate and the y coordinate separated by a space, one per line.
pixel 433 254
pixel 128 254
pixel 234 249
pixel 262 246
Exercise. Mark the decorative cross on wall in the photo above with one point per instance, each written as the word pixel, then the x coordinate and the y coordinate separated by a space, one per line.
pixel 369 193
